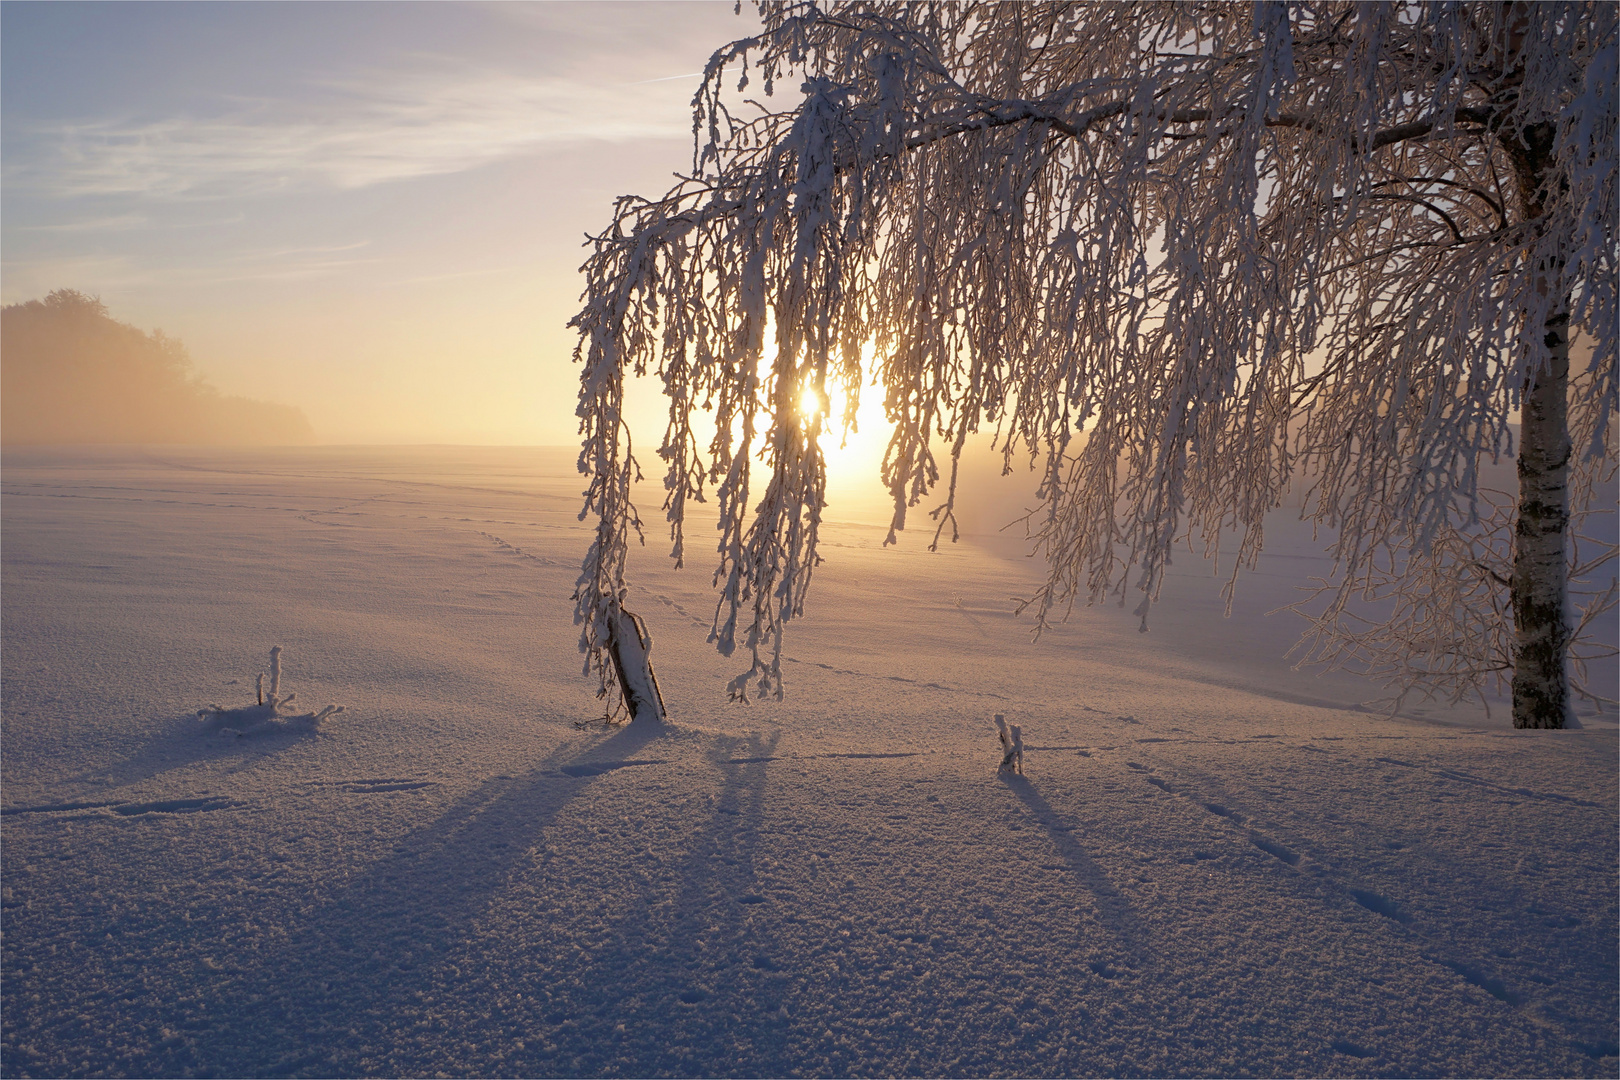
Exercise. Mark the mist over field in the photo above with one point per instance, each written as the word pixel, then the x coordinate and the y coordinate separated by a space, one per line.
pixel 372 213
pixel 74 374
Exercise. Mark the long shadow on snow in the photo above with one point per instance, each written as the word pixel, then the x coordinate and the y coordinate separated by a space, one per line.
pixel 1465 916
pixel 1114 911
pixel 185 740
pixel 691 988
pixel 332 1001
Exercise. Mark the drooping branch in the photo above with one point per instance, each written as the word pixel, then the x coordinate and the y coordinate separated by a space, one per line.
pixel 1186 258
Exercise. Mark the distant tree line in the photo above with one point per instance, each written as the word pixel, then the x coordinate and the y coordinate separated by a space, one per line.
pixel 70 373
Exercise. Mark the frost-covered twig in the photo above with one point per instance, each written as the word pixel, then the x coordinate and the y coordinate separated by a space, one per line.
pixel 1178 257
pixel 267 713
pixel 275 673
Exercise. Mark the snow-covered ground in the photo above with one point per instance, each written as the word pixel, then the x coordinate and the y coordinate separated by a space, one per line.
pixel 1214 865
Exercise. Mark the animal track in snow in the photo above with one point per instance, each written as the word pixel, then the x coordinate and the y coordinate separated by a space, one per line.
pixel 1494 987
pixel 672 605
pixel 811 757
pixel 370 787
pixel 1465 778
pixel 1378 904
pixel 127 809
pixel 597 768
pixel 53 808
pixel 519 552
pixel 1374 902
pixel 1271 847
pixel 911 682
pixel 1370 900
pixel 1350 1049
pixel 911 754
pixel 172 806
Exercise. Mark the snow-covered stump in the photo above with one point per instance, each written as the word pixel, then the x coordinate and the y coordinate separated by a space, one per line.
pixel 630 646
pixel 1012 747
pixel 266 715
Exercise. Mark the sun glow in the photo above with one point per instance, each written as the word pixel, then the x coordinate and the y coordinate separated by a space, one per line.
pixel 810 403
pixel 852 447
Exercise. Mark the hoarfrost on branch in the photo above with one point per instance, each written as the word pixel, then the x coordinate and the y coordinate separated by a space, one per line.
pixel 1180 257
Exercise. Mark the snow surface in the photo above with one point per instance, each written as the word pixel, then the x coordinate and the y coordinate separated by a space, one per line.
pixel 1213 865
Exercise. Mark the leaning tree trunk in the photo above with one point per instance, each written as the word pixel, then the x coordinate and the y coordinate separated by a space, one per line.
pixel 1540 584
pixel 630 646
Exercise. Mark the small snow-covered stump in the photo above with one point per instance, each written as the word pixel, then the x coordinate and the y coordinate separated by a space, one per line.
pixel 1012 747
pixel 630 646
pixel 268 713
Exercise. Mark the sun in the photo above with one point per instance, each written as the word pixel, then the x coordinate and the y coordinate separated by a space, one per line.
pixel 853 454
pixel 810 404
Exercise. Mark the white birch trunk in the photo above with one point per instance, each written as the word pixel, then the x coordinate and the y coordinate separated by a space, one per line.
pixel 1540 556
pixel 1540 587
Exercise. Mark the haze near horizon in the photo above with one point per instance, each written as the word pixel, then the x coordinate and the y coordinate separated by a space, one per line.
pixel 373 213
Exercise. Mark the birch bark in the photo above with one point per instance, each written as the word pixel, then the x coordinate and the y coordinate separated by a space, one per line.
pixel 1540 584
pixel 1540 555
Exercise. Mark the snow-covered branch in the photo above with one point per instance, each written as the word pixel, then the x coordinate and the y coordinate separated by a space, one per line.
pixel 1180 257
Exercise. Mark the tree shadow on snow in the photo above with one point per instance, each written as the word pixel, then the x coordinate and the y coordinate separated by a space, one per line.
pixel 1114 911
pixel 185 740
pixel 364 968
pixel 691 986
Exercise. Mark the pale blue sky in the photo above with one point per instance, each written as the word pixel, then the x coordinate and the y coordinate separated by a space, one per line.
pixel 373 211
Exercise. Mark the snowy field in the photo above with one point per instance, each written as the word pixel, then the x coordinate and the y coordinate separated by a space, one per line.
pixel 1214 866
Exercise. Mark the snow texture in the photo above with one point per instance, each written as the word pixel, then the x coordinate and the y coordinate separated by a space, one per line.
pixel 1212 865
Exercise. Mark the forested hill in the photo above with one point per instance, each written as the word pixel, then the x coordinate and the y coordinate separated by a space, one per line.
pixel 70 373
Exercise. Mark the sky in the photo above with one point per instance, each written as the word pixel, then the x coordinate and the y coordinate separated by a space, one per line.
pixel 373 211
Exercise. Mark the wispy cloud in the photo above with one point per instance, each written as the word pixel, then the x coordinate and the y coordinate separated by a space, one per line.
pixel 105 224
pixel 292 263
pixel 688 75
pixel 30 277
pixel 349 136
pixel 318 250
pixel 462 275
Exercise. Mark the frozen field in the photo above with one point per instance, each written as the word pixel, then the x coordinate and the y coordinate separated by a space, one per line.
pixel 1213 866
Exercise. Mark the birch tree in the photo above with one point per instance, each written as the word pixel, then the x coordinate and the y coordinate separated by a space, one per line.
pixel 1183 257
